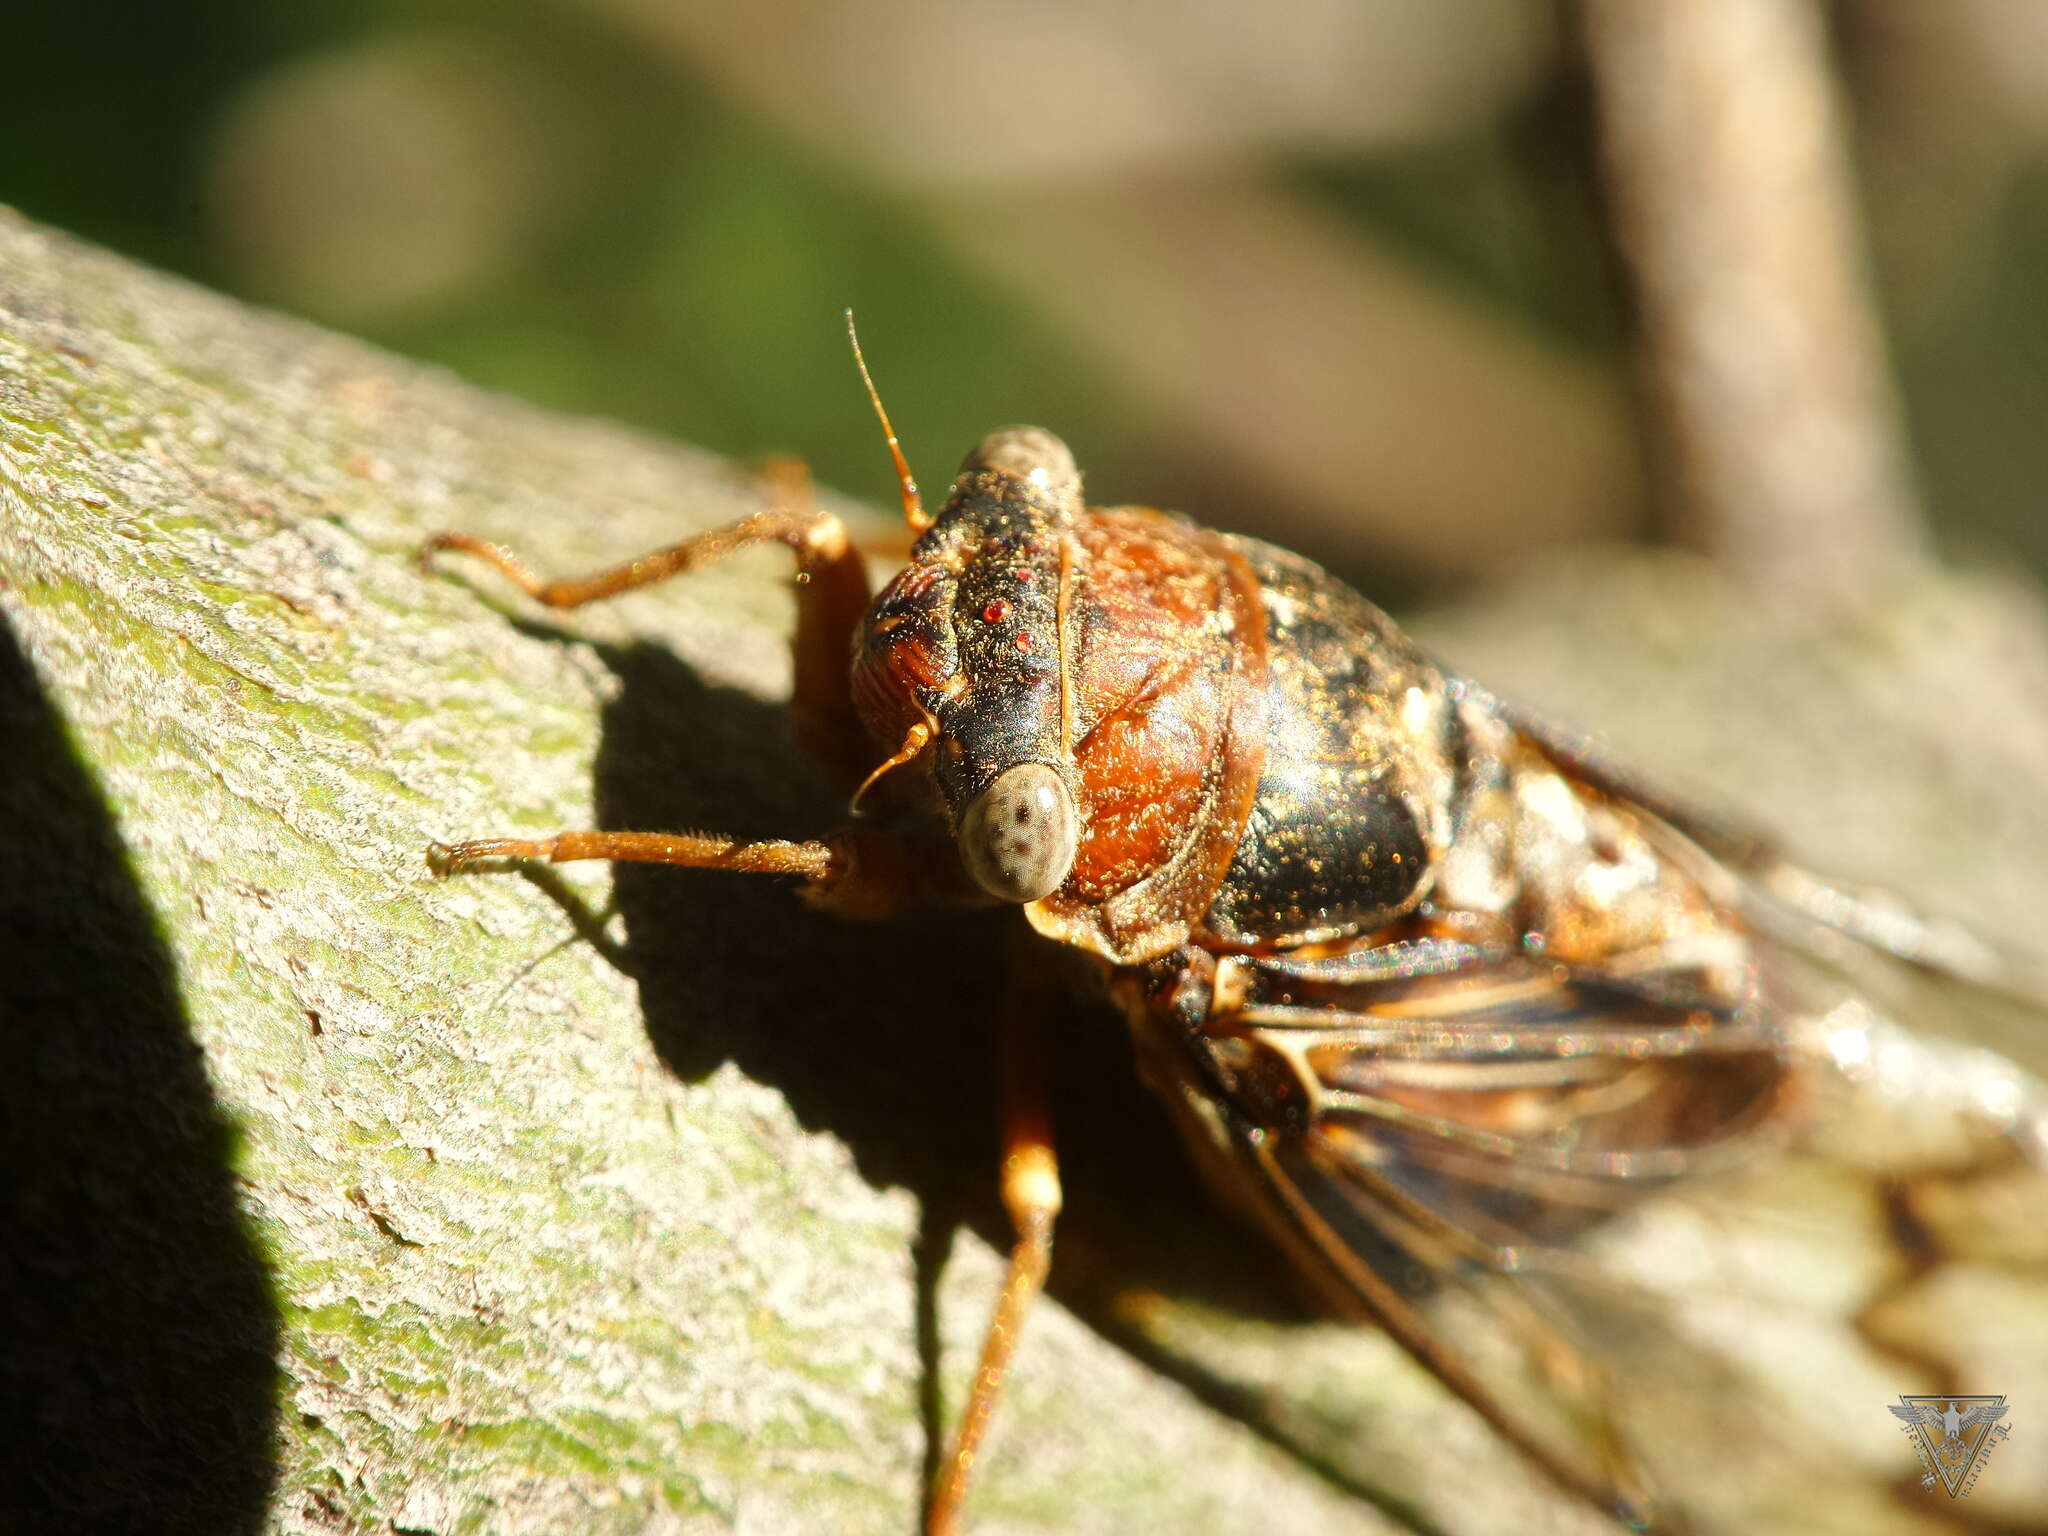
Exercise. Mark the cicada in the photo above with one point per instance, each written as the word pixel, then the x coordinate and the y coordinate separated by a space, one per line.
pixel 1435 996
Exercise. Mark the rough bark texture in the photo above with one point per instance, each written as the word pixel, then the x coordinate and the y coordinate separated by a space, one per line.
pixel 342 1199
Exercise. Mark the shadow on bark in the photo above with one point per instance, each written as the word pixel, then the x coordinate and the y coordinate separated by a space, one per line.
pixel 137 1326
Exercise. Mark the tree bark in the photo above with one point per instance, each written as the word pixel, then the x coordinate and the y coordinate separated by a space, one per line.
pixel 346 1199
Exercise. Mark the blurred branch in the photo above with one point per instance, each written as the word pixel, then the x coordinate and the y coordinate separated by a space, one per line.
pixel 1306 382
pixel 1366 410
pixel 1733 206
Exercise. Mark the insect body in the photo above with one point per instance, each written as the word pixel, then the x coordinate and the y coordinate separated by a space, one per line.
pixel 1429 994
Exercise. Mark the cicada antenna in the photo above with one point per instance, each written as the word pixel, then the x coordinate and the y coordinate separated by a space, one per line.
pixel 913 504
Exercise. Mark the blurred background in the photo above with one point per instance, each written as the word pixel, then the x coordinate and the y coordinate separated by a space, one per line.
pixel 1351 275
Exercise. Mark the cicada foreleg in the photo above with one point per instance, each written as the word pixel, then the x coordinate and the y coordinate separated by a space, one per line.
pixel 831 597
pixel 1031 1195
pixel 691 850
pixel 853 872
pixel 856 872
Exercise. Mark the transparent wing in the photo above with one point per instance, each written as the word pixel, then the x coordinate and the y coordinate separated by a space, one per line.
pixel 1469 1114
pixel 1635 1222
pixel 1825 920
pixel 1520 1101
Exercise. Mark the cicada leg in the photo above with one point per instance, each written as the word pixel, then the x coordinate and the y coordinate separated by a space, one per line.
pixel 1031 1195
pixel 855 872
pixel 692 850
pixel 832 595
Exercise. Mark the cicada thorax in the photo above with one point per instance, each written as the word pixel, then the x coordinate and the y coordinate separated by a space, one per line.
pixel 1090 683
pixel 1264 760
pixel 1248 752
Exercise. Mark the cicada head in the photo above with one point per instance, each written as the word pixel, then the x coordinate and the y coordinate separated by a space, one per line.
pixel 963 650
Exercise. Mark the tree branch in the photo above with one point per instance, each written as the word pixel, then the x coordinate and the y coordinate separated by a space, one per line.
pixel 1733 203
pixel 342 1199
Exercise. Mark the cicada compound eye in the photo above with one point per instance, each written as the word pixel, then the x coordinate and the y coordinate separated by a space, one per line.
pixel 1019 836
